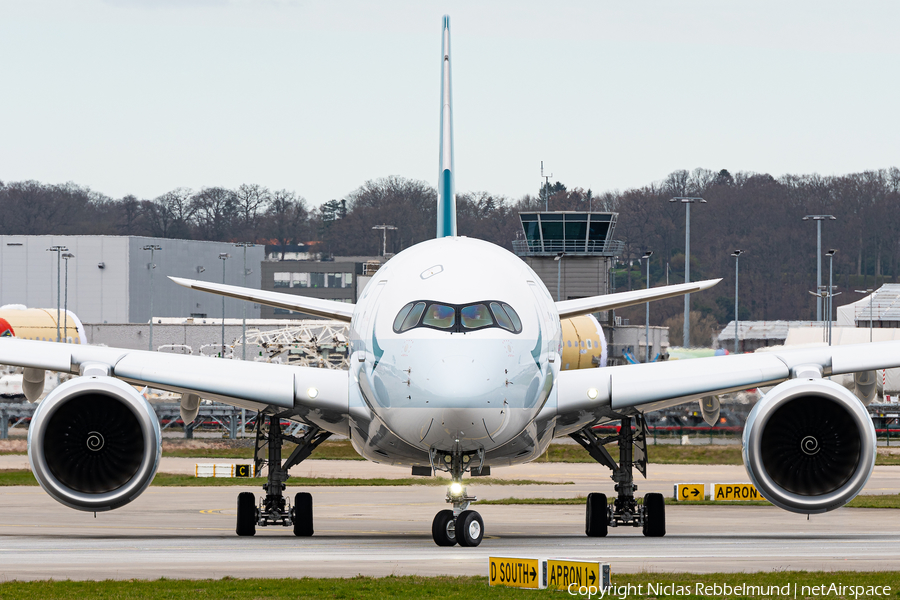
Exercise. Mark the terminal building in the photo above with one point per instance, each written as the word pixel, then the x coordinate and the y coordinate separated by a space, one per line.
pixel 109 277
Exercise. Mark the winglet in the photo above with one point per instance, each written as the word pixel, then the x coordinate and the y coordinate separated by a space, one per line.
pixel 446 208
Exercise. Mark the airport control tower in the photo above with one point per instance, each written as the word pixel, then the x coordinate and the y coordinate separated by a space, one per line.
pixel 570 251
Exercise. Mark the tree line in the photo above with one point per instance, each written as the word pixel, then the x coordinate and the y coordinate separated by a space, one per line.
pixel 757 213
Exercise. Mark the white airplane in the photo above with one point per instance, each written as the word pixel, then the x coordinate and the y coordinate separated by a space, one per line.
pixel 455 367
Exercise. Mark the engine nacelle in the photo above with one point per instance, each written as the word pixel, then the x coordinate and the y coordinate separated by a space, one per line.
pixel 809 446
pixel 94 443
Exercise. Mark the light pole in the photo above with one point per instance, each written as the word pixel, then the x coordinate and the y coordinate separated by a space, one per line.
pixel 647 255
pixel 687 201
pixel 829 302
pixel 223 256
pixel 871 313
pixel 558 272
pixel 152 248
pixel 66 256
pixel 59 250
pixel 384 229
pixel 818 219
pixel 737 258
pixel 243 245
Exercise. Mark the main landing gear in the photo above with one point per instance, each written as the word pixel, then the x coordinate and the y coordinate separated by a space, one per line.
pixel 459 525
pixel 625 511
pixel 274 508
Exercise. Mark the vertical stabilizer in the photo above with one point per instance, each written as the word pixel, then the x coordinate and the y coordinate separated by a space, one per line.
pixel 446 208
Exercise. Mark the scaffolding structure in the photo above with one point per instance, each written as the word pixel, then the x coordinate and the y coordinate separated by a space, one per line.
pixel 309 343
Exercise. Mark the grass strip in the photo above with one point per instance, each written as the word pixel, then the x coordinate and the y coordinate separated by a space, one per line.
pixel 9 477
pixel 862 501
pixel 451 588
pixel 661 454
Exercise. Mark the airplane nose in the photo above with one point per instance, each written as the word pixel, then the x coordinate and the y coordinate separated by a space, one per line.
pixel 461 378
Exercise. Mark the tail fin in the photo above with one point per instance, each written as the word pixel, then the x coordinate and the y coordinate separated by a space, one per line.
pixel 446 208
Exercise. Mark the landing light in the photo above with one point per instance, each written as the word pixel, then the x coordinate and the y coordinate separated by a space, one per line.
pixel 593 393
pixel 312 393
pixel 456 489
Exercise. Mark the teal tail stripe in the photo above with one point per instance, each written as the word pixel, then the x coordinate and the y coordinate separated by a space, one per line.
pixel 446 206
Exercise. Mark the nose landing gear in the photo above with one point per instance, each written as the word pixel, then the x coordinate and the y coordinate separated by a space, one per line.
pixel 459 525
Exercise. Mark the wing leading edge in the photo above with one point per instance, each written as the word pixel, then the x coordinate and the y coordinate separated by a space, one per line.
pixel 651 386
pixel 583 306
pixel 329 309
pixel 318 395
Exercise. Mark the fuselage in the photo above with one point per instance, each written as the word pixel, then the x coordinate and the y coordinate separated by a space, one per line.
pixel 455 348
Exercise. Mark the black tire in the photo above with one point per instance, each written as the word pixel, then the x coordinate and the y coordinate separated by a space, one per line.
pixel 654 515
pixel 596 522
pixel 443 528
pixel 303 514
pixel 469 528
pixel 246 514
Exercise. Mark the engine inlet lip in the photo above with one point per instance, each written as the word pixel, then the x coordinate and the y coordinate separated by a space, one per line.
pixel 145 416
pixel 827 390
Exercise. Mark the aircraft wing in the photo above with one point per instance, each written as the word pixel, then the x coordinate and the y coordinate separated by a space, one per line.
pixel 583 306
pixel 318 307
pixel 645 387
pixel 318 394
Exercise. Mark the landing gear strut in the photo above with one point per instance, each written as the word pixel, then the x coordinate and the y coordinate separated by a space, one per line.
pixel 274 508
pixel 459 525
pixel 625 511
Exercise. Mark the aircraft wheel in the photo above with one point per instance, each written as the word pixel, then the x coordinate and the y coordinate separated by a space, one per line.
pixel 246 514
pixel 303 514
pixel 654 515
pixel 596 516
pixel 469 528
pixel 443 528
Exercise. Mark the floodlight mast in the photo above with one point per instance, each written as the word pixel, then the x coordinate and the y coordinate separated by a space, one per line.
pixel 384 229
pixel 223 256
pixel 737 257
pixel 818 219
pixel 59 250
pixel 871 313
pixel 687 201
pixel 647 255
pixel 152 248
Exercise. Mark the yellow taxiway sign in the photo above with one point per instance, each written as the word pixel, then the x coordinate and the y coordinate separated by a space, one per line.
pixel 525 573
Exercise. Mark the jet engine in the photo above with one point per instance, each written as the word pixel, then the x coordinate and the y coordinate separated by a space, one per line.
pixel 94 443
pixel 809 446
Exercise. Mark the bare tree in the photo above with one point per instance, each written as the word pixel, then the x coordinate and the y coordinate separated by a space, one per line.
pixel 215 210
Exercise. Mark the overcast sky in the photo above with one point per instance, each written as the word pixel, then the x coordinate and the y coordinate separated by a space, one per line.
pixel 141 96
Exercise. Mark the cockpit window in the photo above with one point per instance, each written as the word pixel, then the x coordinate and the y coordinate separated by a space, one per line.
pixel 517 323
pixel 457 318
pixel 440 316
pixel 411 314
pixel 475 316
pixel 398 321
pixel 502 318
